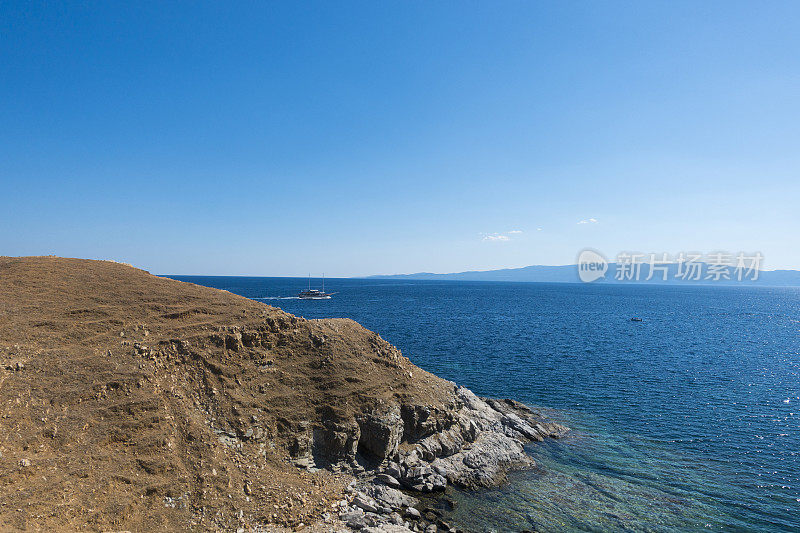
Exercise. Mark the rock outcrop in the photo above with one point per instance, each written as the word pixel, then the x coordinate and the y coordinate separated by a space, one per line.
pixel 472 443
pixel 131 401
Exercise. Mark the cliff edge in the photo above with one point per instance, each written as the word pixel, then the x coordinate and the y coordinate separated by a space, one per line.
pixel 131 401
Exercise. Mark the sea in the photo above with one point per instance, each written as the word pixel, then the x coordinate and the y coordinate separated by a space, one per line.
pixel 686 421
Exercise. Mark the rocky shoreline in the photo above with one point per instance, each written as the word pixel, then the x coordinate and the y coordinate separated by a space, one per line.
pixel 471 446
pixel 133 402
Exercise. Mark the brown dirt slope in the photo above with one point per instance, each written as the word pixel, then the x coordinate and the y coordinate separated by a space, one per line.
pixel 130 401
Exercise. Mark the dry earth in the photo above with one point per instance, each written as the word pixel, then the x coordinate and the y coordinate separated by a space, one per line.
pixel 134 402
pixel 130 401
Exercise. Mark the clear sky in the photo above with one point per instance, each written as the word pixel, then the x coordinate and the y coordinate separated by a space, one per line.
pixel 352 138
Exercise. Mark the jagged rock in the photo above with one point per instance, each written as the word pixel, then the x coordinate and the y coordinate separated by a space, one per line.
pixel 338 441
pixel 387 528
pixel 411 512
pixel 421 421
pixel 393 470
pixel 251 339
pixel 443 526
pixel 301 445
pixel 354 515
pixel 364 502
pixel 439 482
pixel 440 469
pixel 472 443
pixel 389 497
pixel 381 433
pixel 233 341
pixel 486 462
pixel 388 480
pixel 356 522
pixel 516 411
pixel 417 472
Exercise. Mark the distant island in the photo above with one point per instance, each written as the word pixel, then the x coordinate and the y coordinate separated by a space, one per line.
pixel 569 274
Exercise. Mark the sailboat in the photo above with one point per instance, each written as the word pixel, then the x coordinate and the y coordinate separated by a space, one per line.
pixel 314 294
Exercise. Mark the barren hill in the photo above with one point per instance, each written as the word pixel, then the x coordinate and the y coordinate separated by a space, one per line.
pixel 130 401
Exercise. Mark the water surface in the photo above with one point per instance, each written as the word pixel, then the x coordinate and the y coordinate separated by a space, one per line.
pixel 685 421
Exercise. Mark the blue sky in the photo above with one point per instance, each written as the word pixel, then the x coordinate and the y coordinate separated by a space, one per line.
pixel 380 137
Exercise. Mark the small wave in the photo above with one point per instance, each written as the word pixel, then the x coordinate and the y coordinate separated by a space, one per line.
pixel 276 298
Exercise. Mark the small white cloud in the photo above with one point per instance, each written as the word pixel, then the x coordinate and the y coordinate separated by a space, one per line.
pixel 588 221
pixel 500 237
pixel 538 229
pixel 496 237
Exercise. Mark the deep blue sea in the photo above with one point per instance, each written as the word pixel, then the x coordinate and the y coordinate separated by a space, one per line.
pixel 686 421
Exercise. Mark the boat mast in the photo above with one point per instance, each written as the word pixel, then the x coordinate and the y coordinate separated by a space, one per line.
pixel 309 281
pixel 323 282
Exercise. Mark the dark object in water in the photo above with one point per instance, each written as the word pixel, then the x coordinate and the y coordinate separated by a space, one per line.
pixel 636 319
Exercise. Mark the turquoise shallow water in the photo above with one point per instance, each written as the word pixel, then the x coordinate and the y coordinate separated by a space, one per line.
pixel 687 421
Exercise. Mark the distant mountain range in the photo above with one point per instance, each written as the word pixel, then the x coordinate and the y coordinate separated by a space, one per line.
pixel 569 274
